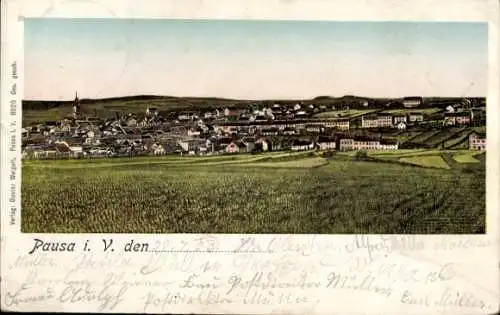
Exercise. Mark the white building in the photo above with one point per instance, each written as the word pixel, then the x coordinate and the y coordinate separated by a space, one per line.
pixel 369 121
pixel 400 118
pixel 412 101
pixel 326 143
pixel 158 149
pixel 450 109
pixel 477 141
pixel 193 132
pixel 401 125
pixel 302 145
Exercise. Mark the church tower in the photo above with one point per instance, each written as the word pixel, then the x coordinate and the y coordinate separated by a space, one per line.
pixel 76 107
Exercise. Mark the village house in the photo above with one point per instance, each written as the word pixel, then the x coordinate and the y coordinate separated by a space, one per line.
pixel 24 133
pixel 301 114
pixel 91 137
pixel 250 145
pixel 63 150
pixel 288 131
pixel 302 145
pixel 233 147
pixel 399 118
pixel 477 141
pixel 239 147
pixel 273 131
pixel 27 151
pixel 258 118
pixel 262 145
pixel 42 151
pixel 414 117
pixel 245 117
pixel 191 146
pixel 401 125
pixel 66 129
pixel 75 151
pixel 275 144
pixel 131 122
pixel 389 145
pixel 232 113
pixel 460 118
pixel 37 129
pixel 313 128
pixel 369 121
pixel 158 149
pixel 184 117
pixel 234 127
pixel 412 101
pixel 268 112
pixel 326 143
pixel 152 121
pixel 450 109
pixel 100 152
pixel 341 124
pixel 222 142
pixel 193 132
pixel 467 103
pixel 346 144
pixel 152 111
pixel 277 114
pixel 258 112
pixel 366 144
pixel 55 131
pixel 384 120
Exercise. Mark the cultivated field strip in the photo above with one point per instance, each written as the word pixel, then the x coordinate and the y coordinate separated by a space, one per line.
pixel 280 193
pixel 435 161
pixel 170 160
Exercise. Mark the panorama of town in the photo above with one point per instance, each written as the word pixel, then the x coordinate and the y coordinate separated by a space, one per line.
pixel 252 127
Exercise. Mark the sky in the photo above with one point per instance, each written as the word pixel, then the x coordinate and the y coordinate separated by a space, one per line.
pixel 252 59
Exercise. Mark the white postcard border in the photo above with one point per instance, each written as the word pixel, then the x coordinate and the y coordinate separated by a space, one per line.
pixel 231 258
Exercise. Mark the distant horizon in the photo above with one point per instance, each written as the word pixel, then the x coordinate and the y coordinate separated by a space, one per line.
pixel 242 99
pixel 253 59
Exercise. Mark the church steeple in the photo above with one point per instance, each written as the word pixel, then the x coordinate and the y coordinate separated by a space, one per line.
pixel 76 106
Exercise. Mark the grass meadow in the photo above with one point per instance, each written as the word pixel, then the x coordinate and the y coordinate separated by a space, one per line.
pixel 350 113
pixel 411 191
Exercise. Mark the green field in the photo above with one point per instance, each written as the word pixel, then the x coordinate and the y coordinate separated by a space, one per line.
pixel 422 137
pixel 265 193
pixel 455 138
pixel 439 139
pixel 402 111
pixel 466 157
pixel 350 113
pixel 426 161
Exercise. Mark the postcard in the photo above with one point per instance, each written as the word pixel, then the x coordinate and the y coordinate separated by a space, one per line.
pixel 238 157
